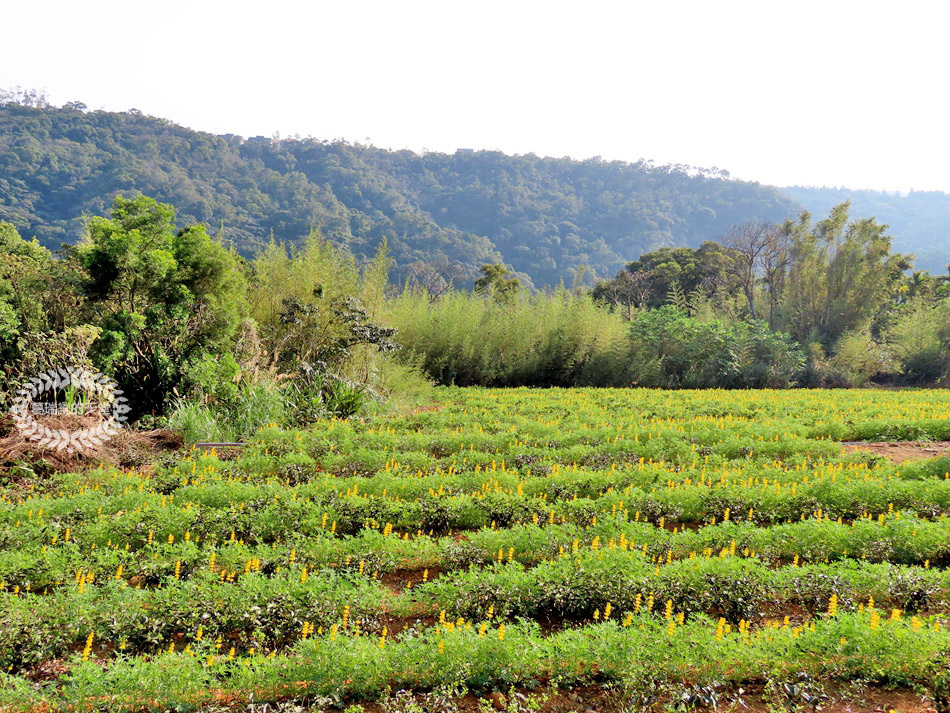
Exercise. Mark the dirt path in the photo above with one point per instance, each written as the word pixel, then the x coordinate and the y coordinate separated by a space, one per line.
pixel 900 451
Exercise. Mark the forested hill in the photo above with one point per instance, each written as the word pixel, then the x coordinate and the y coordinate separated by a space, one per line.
pixel 543 216
pixel 919 220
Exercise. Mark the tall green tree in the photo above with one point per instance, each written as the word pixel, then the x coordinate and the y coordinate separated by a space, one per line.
pixel 650 280
pixel 162 296
pixel 840 275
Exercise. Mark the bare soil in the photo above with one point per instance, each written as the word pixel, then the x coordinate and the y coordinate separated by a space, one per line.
pixel 590 699
pixel 900 451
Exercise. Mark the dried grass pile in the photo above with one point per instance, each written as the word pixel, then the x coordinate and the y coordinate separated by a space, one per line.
pixel 126 448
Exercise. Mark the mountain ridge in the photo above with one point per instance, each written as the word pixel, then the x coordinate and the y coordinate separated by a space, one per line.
pixel 550 219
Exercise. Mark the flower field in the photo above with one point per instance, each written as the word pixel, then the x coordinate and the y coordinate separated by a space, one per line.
pixel 656 543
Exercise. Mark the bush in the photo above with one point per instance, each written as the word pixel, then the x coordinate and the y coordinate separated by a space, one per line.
pixel 668 349
pixel 858 357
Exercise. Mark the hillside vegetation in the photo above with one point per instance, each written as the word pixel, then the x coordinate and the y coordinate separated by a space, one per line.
pixel 546 217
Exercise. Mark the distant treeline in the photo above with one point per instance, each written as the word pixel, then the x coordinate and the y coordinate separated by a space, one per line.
pixel 550 219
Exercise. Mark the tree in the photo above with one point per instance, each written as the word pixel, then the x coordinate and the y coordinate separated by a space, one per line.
pixel 162 296
pixel 689 271
pixel 840 275
pixel 495 281
pixel 435 276
pixel 627 292
pixel 757 250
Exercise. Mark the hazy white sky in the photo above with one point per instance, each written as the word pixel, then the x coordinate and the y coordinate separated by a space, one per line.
pixel 793 92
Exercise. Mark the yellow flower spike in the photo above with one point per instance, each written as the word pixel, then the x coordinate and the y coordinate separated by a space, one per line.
pixel 669 609
pixel 303 575
pixel 671 628
pixel 501 632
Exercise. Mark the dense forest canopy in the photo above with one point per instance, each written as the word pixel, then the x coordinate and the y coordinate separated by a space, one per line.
pixel 550 219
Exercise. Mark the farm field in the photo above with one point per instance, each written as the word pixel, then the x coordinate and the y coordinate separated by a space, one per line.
pixel 568 549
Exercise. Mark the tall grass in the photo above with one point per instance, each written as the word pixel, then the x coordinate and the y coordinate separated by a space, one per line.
pixel 252 408
pixel 556 339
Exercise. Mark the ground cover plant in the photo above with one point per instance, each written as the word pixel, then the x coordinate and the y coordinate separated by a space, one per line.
pixel 670 547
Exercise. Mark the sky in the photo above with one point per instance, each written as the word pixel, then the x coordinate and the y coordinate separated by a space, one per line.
pixel 833 93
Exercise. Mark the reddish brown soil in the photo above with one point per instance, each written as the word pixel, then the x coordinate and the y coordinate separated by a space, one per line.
pixel 900 451
pixel 585 699
pixel 398 579
pixel 595 699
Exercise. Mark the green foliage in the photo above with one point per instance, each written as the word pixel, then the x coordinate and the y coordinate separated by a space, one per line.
pixel 40 322
pixel 315 305
pixel 834 287
pixel 918 219
pixel 671 350
pixel 561 339
pixel 495 281
pixel 565 339
pixel 920 338
pixel 163 297
pixel 653 277
pixel 596 538
pixel 840 276
pixel 543 216
pixel 859 357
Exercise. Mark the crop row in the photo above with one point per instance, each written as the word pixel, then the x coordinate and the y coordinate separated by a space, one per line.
pixel 254 609
pixel 341 666
pixel 902 540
